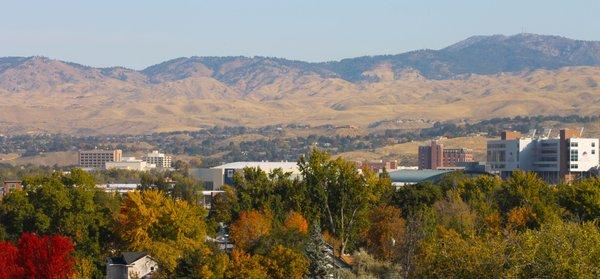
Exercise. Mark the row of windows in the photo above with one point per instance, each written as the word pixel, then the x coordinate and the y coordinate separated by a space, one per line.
pixel 576 144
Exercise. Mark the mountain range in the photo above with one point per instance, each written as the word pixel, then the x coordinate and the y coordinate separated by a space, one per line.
pixel 480 77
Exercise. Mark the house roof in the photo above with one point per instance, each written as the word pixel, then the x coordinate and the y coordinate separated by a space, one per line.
pixel 128 258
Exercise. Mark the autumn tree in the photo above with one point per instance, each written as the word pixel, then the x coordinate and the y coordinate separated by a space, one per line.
pixel 284 263
pixel 205 262
pixel 165 228
pixel 249 228
pixel 244 265
pixel 295 221
pixel 9 261
pixel 46 256
pixel 385 233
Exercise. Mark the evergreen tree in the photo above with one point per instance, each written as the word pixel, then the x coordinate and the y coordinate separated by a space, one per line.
pixel 320 266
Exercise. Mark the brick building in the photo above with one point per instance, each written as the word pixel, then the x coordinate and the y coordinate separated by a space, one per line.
pixel 434 156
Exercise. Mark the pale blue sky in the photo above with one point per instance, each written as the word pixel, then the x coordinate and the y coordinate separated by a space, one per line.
pixel 137 34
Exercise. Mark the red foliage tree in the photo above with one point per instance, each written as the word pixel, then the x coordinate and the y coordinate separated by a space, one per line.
pixel 9 264
pixel 46 257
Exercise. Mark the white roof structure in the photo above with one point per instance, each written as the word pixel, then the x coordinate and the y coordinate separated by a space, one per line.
pixel 289 166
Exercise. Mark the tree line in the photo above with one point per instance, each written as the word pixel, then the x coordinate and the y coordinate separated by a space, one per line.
pixel 285 226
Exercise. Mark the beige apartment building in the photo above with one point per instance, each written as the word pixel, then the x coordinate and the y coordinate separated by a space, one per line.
pixel 160 160
pixel 98 158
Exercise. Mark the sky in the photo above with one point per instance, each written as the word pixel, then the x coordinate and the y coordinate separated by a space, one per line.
pixel 137 34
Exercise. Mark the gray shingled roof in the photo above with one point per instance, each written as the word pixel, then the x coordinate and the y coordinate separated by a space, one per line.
pixel 128 258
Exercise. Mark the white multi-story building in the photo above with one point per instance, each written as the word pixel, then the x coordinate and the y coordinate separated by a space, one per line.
pixel 554 159
pixel 160 160
pixel 214 178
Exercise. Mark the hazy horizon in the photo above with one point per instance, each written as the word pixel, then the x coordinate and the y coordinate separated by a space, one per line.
pixel 137 34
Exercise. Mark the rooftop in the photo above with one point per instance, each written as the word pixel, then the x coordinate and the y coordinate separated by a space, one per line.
pixel 415 176
pixel 128 258
pixel 261 165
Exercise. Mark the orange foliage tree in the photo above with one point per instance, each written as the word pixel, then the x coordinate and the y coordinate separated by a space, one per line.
pixel 295 221
pixel 249 228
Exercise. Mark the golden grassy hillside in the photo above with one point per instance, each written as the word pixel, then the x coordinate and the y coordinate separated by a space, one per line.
pixel 118 107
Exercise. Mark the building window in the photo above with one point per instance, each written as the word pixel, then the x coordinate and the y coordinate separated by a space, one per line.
pixel 574 144
pixel 593 151
pixel 574 166
pixel 574 155
pixel 593 144
pixel 229 173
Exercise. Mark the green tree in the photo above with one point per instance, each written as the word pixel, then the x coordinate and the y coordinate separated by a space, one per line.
pixel 412 198
pixel 339 195
pixel 526 189
pixel 581 198
pixel 557 250
pixel 67 204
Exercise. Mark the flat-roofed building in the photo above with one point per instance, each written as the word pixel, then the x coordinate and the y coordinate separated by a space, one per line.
pixel 160 160
pixel 129 163
pixel 378 166
pixel 555 159
pixel 434 156
pixel 97 158
pixel 214 178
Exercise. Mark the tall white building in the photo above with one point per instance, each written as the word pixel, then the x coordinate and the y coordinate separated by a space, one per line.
pixel 160 160
pixel 555 159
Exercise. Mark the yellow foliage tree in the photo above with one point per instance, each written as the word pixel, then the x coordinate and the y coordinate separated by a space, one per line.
pixel 285 263
pixel 166 229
